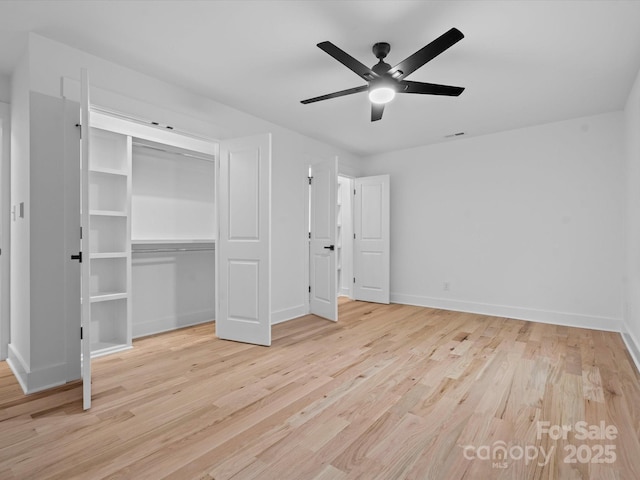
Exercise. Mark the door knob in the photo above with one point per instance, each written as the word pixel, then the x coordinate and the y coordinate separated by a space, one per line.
pixel 330 247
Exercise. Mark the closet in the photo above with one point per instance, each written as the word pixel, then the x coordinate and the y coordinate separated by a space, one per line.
pixel 152 225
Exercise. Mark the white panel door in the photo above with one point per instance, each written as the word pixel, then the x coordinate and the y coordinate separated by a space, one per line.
pixel 322 253
pixel 371 242
pixel 84 220
pixel 243 249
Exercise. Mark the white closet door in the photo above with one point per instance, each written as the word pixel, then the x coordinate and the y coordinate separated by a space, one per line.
pixel 322 249
pixel 86 270
pixel 371 243
pixel 243 248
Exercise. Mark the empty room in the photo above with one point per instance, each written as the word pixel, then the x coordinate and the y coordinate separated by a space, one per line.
pixel 322 240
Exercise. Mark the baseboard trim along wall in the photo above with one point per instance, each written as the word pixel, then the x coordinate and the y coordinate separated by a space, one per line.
pixel 167 324
pixel 517 313
pixel 288 314
pixel 633 346
pixel 33 381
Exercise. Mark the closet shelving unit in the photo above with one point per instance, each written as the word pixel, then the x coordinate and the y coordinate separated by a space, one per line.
pixel 110 249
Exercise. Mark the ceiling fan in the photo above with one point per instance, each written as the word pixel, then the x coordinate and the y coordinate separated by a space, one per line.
pixel 384 81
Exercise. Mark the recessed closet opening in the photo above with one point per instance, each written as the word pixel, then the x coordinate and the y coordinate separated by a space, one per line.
pixel 152 232
pixel 173 230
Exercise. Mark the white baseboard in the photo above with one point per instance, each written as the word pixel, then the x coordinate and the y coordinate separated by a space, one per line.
pixel 288 314
pixel 18 367
pixel 33 381
pixel 518 313
pixel 166 324
pixel 633 346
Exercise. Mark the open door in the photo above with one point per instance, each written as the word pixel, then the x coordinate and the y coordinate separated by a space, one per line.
pixel 243 249
pixel 371 242
pixel 84 221
pixel 323 267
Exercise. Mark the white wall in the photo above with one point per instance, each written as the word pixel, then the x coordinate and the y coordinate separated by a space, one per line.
pixel 20 347
pixel 526 223
pixel 631 330
pixel 5 88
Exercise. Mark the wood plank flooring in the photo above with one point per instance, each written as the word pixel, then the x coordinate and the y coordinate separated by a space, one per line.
pixel 389 392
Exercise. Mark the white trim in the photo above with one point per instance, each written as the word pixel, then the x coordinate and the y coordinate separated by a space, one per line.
pixel 5 226
pixel 518 313
pixel 633 346
pixel 170 323
pixel 70 89
pixel 165 137
pixel 289 314
pixel 32 381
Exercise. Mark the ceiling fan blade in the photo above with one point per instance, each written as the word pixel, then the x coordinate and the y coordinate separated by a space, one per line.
pixel 430 88
pixel 341 93
pixel 376 111
pixel 348 61
pixel 426 53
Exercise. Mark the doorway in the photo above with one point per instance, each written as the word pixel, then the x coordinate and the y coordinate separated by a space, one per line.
pixel 352 222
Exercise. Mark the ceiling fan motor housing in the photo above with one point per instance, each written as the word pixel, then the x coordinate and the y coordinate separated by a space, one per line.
pixel 381 50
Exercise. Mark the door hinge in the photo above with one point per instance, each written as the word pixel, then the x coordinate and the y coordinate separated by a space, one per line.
pixel 310 178
pixel 79 128
pixel 354 236
pixel 81 336
pixel 309 234
pixel 309 288
pixel 354 279
pixel 354 191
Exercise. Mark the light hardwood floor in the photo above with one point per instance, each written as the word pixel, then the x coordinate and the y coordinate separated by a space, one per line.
pixel 391 391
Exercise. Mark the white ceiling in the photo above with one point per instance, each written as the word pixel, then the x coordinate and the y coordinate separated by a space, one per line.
pixel 522 62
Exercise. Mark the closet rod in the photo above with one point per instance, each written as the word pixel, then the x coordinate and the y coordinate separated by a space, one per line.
pixel 158 250
pixel 184 154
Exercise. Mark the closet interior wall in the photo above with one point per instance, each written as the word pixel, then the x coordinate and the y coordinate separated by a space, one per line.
pixel 173 238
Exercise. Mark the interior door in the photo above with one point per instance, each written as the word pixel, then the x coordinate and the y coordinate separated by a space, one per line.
pixel 371 242
pixel 243 249
pixel 84 221
pixel 322 245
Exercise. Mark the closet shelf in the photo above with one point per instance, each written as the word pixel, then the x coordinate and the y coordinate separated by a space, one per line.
pixel 107 213
pixel 106 296
pixel 174 241
pixel 108 171
pixel 108 255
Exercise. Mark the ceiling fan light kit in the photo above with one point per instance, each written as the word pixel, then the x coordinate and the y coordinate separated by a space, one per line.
pixel 384 81
pixel 381 94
